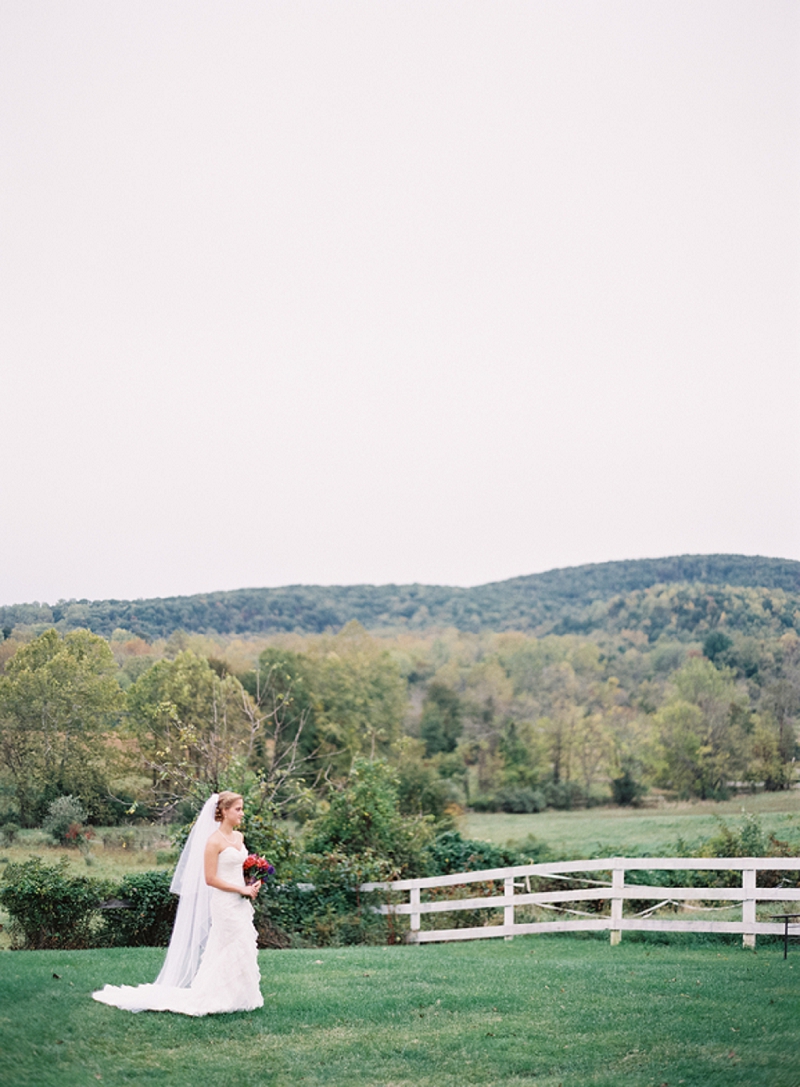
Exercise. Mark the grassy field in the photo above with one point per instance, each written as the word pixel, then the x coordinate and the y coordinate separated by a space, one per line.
pixel 112 857
pixel 544 1011
pixel 635 831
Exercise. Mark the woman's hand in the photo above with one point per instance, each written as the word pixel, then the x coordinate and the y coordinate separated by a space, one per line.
pixel 251 890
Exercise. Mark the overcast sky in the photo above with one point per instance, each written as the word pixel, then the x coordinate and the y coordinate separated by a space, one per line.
pixel 393 291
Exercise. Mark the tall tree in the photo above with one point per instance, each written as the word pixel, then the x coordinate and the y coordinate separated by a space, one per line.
pixel 702 731
pixel 359 696
pixel 190 725
pixel 58 699
pixel 442 719
pixel 197 730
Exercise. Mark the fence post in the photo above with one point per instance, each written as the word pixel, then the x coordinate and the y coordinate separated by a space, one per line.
pixel 749 905
pixel 617 885
pixel 413 898
pixel 508 911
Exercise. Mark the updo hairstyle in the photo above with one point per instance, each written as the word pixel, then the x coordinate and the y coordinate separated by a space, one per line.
pixel 224 802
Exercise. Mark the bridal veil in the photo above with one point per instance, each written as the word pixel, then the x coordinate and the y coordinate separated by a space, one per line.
pixel 193 919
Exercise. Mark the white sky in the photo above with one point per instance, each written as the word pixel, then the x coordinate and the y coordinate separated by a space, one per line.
pixel 394 290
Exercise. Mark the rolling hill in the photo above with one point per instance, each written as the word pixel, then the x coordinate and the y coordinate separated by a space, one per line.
pixel 684 596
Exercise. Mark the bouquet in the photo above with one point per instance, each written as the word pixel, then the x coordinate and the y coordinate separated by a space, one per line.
pixel 256 869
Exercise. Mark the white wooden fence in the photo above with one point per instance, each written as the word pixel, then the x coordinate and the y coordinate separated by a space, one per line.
pixel 681 900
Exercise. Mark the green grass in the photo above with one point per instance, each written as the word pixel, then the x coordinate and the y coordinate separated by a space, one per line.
pixel 548 1011
pixel 104 863
pixel 635 831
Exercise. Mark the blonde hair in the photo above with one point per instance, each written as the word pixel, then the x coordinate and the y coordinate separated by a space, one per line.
pixel 225 801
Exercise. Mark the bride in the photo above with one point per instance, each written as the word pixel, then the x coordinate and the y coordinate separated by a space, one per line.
pixel 211 963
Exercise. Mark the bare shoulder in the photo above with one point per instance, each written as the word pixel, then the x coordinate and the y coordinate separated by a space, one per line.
pixel 216 843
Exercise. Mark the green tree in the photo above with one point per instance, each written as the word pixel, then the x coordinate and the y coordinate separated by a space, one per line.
pixel 702 731
pixel 767 764
pixel 364 818
pixel 519 748
pixel 716 645
pixel 58 700
pixel 283 682
pixel 442 719
pixel 780 701
pixel 423 788
pixel 359 697
pixel 560 698
pixel 191 726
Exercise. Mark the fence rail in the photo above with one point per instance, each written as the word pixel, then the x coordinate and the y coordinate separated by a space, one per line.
pixel 517 893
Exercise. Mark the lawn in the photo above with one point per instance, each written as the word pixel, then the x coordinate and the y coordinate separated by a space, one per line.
pixel 632 831
pixel 549 1011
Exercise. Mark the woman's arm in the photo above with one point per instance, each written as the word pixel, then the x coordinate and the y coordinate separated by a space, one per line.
pixel 213 850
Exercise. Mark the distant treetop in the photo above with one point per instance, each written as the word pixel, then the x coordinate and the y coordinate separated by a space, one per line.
pixel 687 595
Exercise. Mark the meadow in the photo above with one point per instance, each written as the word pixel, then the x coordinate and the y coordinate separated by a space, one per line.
pixel 544 1011
pixel 651 830
pixel 115 851
pixel 586 832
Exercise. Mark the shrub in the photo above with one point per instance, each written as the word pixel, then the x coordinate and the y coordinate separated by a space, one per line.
pixel 563 795
pixel 626 789
pixel 521 800
pixel 314 898
pixel 48 908
pixel 265 836
pixel 64 820
pixel 452 853
pixel 148 920
pixel 10 832
pixel 324 907
pixel 422 791
pixel 364 819
pixel 483 802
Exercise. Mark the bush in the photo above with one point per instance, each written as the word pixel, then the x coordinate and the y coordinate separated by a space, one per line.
pixel 483 802
pixel 148 920
pixel 626 790
pixel 264 835
pixel 64 820
pixel 517 799
pixel 314 899
pixel 521 800
pixel 10 832
pixel 452 853
pixel 564 795
pixel 48 908
pixel 422 791
pixel 364 819
pixel 324 906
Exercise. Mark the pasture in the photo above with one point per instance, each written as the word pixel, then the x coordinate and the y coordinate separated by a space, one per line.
pixel 544 1011
pixel 653 831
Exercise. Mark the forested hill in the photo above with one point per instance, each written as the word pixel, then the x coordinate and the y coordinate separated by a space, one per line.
pixel 685 595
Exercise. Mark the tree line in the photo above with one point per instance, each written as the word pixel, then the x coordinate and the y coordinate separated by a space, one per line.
pixel 487 720
pixel 682 596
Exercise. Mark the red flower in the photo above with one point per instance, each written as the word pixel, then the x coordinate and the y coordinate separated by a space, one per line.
pixel 256 869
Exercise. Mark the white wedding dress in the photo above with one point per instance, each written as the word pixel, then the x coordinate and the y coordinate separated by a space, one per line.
pixel 228 978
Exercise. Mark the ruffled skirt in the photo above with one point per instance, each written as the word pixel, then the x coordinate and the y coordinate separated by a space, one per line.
pixel 227 979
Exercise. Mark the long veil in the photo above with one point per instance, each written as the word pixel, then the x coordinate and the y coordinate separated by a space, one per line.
pixel 193 918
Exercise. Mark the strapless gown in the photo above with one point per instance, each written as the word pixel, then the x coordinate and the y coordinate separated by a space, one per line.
pixel 228 978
